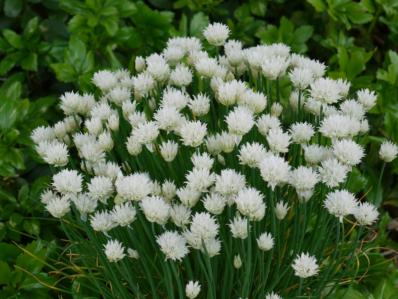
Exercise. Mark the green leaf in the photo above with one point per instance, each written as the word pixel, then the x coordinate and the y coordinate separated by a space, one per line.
pixel 319 5
pixel 12 8
pixel 198 23
pixel 5 273
pixel 7 63
pixel 64 72
pixel 111 25
pixel 29 62
pixel 12 38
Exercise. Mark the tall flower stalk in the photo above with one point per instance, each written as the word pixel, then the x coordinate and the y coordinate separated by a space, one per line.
pixel 197 177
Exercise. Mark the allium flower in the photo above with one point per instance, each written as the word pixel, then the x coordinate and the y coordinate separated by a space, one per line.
pixel 326 91
pixel 249 203
pixel 123 214
pixel 278 141
pixel 303 179
pixel 239 227
pixel 202 160
pixel 240 121
pixel 168 190
pixel 173 245
pixel 181 76
pixel 340 203
pixel 281 210
pixel 315 153
pixel 332 172
pixel 272 295
pixel 274 170
pixel 301 77
pixel 214 203
pixel 105 80
pixel 251 154
pixel 100 188
pixel 340 126
pixel 366 213
pixel 348 152
pixel 168 150
pixel 155 209
pixel 265 241
pixel 146 133
pixel 352 108
pixel 267 122
pixel 200 179
pixel 192 133
pixel 255 101
pixel 168 118
pixel 274 67
pixel 199 105
pixel 68 182
pixel 367 98
pixel 188 196
pixel 203 227
pixel 133 254
pixel 237 262
pixel 305 266
pixel 84 204
pixel 192 289
pixel 216 34
pixel 180 215
pixel 102 221
pixel 58 206
pixel 388 151
pixel 114 251
pixel 55 153
pixel 301 132
pixel 229 182
pixel 134 187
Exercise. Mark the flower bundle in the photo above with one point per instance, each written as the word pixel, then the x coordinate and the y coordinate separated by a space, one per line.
pixel 212 174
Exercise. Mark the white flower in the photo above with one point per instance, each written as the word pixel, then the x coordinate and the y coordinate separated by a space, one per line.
pixel 54 152
pixel 42 134
pixel 192 289
pixel 134 187
pixel 199 179
pixel 114 251
pixel 301 77
pixel 274 67
pixel 174 98
pixel 352 108
pixel 102 221
pixel 272 295
pixel 173 245
pixel 348 152
pixel 211 247
pixel 366 213
pixel 58 206
pixel 214 203
pixel 68 181
pixel 250 203
pixel 281 210
pixel 255 101
pixel 84 204
pixel 251 154
pixel 216 34
pixel 314 153
pixel 267 122
pixel 155 209
pixel 118 95
pixel 276 109
pixel 133 253
pixel 157 67
pixel 340 203
pixel 239 227
pixel 123 214
pixel 265 241
pixel 301 132
pixel 274 170
pixel 192 133
pixel 180 215
pixel 388 151
pixel 278 141
pixel 332 172
pixel 303 179
pixel 168 118
pixel 326 90
pixel 202 160
pixel 133 146
pixel 100 188
pixel 206 67
pixel 105 80
pixel 316 67
pixel 237 262
pixel 139 64
pixel 168 150
pixel 146 133
pixel 305 266
pixel 181 76
pixel 203 227
pixel 143 84
pixel 367 98
pixel 240 121
pixel 229 182
pixel 228 93
pixel 189 197
pixel 168 190
pixel 339 126
pixel 199 105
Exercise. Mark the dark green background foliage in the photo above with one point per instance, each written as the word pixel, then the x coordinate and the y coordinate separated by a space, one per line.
pixel 50 46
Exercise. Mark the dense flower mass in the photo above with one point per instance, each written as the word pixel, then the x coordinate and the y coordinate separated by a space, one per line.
pixel 197 162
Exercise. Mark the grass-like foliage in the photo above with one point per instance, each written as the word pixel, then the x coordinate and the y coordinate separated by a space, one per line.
pixel 214 171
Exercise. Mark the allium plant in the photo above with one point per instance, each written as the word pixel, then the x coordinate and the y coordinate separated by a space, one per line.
pixel 213 171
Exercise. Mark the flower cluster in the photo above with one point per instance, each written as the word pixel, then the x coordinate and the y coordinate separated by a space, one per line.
pixel 208 155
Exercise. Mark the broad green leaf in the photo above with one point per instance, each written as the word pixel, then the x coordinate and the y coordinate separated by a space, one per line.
pixel 7 63
pixel 12 8
pixel 64 72
pixel 5 273
pixel 29 62
pixel 198 23
pixel 12 38
pixel 319 5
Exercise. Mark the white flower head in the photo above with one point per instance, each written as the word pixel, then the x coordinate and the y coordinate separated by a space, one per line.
pixel 239 227
pixel 58 206
pixel 240 121
pixel 216 34
pixel 100 188
pixel 214 203
pixel 388 151
pixel 68 182
pixel 272 295
pixel 192 133
pixel 281 209
pixel 265 242
pixel 134 187
pixel 332 172
pixel 124 214
pixel 305 266
pixel 348 152
pixel 237 262
pixel 250 203
pixel 251 154
pixel 340 203
pixel 114 251
pixel 168 150
pixel 192 289
pixel 155 209
pixel 173 245
pixel 180 215
pixel 366 213
pixel 274 170
pixel 229 182
pixel 367 98
pixel 278 140
pixel 301 132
